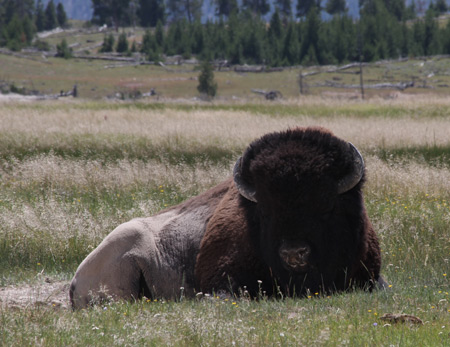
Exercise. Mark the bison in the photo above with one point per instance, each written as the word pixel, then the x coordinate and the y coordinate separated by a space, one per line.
pixel 290 221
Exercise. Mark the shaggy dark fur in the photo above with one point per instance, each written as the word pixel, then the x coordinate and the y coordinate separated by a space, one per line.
pixel 295 175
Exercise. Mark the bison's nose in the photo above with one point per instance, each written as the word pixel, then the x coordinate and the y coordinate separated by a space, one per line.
pixel 295 257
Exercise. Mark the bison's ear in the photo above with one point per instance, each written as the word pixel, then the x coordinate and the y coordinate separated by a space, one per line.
pixel 353 178
pixel 244 188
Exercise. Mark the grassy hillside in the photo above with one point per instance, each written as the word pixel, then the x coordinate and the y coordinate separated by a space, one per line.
pixel 98 79
pixel 73 170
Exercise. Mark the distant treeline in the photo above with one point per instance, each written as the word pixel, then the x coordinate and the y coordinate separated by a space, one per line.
pixel 296 33
pixel 386 29
pixel 21 19
pixel 244 38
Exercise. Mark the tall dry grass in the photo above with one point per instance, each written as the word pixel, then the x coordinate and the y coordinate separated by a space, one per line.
pixel 42 185
pixel 174 127
pixel 406 178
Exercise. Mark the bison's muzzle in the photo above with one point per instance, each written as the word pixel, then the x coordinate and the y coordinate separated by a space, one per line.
pixel 295 257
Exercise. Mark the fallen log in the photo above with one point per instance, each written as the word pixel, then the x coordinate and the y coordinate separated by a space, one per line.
pixel 25 56
pixel 269 95
pixel 247 68
pixel 104 57
pixel 336 69
pixel 399 86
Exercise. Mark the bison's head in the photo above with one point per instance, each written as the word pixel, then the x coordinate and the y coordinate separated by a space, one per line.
pixel 306 186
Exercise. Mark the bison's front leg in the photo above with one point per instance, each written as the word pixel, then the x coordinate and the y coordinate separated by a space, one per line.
pixel 119 268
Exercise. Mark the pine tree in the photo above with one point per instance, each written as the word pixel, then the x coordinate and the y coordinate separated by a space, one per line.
pixel 309 50
pixel 206 84
pixel 40 16
pixel 159 34
pixel 396 8
pixel 197 37
pixel 51 21
pixel 193 10
pixel 336 7
pixel 188 9
pixel 441 6
pixel 381 31
pixel 285 9
pixel 431 44
pixel 108 44
pixel 276 27
pixel 274 37
pixel 342 39
pixel 175 10
pixel 111 12
pixel 417 47
pixel 122 43
pixel 432 10
pixel 17 27
pixel 258 7
pixel 151 11
pixel 234 33
pixel 390 38
pixel 61 15
pixel 291 48
pixel 150 46
pixel 405 40
pixel 218 42
pixel 410 11
pixel 252 40
pixel 131 16
pixel 8 8
pixel 13 34
pixel 177 40
pixel 28 29
pixel 226 7
pixel 446 39
pixel 7 12
pixel 236 53
pixel 304 6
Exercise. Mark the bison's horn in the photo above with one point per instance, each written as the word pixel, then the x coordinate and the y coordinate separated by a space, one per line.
pixel 352 179
pixel 243 187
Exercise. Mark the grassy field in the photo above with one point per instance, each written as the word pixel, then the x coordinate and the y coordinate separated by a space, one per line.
pixel 98 79
pixel 72 170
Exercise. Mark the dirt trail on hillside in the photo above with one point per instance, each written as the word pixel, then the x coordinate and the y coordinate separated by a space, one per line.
pixel 46 293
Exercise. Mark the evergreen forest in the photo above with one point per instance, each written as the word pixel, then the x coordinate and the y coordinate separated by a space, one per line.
pixel 296 33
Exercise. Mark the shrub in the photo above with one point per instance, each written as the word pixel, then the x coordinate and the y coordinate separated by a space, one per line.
pixel 63 50
pixel 108 44
pixel 41 45
pixel 207 85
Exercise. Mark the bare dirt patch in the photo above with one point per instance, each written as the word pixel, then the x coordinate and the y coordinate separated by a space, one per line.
pixel 46 293
pixel 17 97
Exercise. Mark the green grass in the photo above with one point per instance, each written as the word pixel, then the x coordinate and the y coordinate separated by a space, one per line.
pixel 316 108
pixel 350 319
pixel 62 192
pixel 110 148
pixel 431 155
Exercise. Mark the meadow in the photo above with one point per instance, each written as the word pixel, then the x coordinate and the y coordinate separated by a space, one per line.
pixel 72 170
